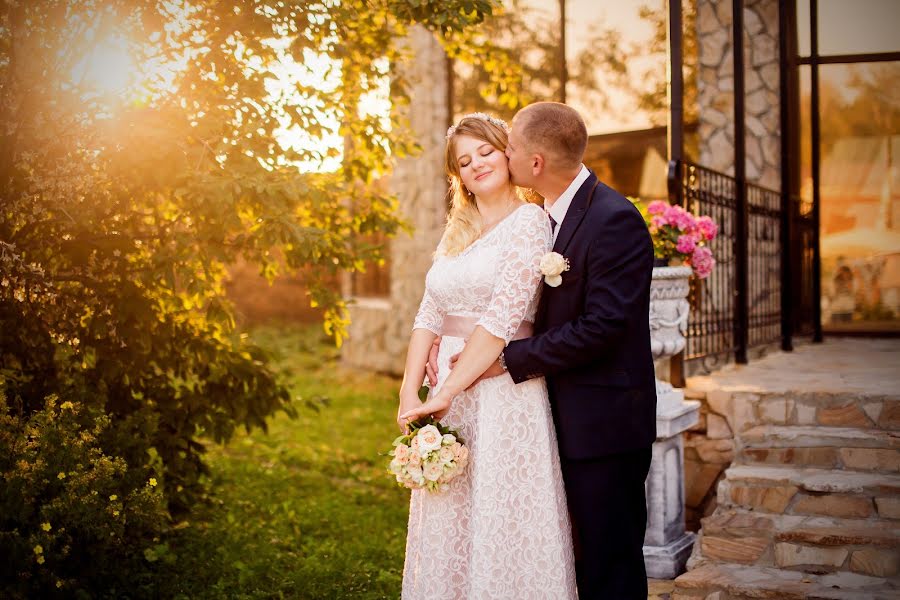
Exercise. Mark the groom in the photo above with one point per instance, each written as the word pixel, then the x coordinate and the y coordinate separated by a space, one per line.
pixel 592 343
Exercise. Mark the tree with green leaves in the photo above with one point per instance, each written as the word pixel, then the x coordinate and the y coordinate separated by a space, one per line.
pixel 122 210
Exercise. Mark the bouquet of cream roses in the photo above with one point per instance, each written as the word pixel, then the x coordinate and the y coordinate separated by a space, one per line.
pixel 428 456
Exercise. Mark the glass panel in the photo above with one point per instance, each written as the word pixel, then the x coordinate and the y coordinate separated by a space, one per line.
pixel 860 26
pixel 860 196
pixel 616 54
pixel 603 36
pixel 803 233
pixel 803 40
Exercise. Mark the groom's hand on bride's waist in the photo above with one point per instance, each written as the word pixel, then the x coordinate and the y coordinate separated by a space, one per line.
pixel 431 368
pixel 493 371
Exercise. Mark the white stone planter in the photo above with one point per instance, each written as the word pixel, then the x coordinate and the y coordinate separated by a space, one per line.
pixel 667 545
pixel 669 311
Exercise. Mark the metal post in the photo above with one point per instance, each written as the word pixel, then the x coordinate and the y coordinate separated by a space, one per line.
pixel 675 141
pixel 741 312
pixel 814 120
pixel 787 51
pixel 563 67
pixel 676 83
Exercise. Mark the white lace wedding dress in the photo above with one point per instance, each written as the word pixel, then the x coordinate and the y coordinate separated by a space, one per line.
pixel 502 529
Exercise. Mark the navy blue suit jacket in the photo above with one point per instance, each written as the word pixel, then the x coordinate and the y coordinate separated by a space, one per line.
pixel 592 333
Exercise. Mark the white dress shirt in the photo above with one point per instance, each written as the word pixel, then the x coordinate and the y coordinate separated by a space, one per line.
pixel 560 206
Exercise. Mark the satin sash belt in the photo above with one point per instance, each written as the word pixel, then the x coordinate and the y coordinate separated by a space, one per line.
pixel 462 327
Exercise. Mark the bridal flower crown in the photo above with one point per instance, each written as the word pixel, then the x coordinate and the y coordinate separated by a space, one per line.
pixel 483 117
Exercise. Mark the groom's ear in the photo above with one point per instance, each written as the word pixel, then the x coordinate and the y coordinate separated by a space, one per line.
pixel 537 164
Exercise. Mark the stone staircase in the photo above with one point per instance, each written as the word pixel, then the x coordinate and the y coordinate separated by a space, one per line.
pixel 810 506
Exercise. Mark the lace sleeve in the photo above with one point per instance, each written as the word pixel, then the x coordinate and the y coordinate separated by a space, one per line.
pixel 429 316
pixel 518 273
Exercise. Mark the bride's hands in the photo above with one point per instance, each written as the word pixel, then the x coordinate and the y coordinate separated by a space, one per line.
pixel 408 402
pixel 438 405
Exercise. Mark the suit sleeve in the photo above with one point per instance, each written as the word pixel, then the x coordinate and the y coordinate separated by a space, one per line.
pixel 618 269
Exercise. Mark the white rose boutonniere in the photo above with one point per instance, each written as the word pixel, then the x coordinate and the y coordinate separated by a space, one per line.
pixel 553 265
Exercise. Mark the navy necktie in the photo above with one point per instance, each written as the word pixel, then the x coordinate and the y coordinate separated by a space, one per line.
pixel 552 224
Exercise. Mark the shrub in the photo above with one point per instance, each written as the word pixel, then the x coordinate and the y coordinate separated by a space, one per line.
pixel 73 517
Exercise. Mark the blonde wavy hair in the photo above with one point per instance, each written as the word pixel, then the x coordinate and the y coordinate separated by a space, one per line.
pixel 464 221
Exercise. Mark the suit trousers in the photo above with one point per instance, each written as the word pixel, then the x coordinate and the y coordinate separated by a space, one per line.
pixel 608 508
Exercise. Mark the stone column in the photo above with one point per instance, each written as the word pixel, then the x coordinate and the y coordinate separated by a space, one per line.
pixel 380 327
pixel 716 89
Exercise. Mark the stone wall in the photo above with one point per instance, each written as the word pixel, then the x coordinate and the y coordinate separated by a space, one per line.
pixel 380 327
pixel 761 86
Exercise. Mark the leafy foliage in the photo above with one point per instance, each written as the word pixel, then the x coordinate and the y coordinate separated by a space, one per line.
pixel 124 211
pixel 519 46
pixel 73 517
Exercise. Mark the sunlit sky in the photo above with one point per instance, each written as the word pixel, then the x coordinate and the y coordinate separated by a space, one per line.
pixel 106 67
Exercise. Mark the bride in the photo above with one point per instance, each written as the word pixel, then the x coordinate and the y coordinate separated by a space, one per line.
pixel 501 530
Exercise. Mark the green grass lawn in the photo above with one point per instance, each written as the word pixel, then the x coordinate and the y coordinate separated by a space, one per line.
pixel 305 510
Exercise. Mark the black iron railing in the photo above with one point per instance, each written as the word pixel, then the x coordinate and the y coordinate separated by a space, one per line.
pixel 728 317
pixel 764 266
pixel 711 329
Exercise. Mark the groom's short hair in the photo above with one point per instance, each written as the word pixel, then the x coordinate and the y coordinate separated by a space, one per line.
pixel 554 129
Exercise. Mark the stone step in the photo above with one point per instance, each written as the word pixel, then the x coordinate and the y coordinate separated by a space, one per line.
pixel 746 409
pixel 845 448
pixel 809 491
pixel 812 544
pixel 736 582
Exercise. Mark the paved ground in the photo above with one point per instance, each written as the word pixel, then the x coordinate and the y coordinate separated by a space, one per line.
pixel 839 365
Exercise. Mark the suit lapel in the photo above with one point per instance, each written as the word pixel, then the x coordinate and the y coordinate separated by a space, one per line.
pixel 575 214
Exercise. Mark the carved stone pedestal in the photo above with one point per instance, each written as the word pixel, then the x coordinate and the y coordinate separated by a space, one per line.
pixel 667 545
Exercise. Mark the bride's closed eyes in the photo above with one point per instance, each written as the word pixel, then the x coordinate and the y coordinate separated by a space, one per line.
pixel 464 162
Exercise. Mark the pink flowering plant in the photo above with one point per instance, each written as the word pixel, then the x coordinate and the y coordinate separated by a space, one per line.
pixel 428 457
pixel 679 235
